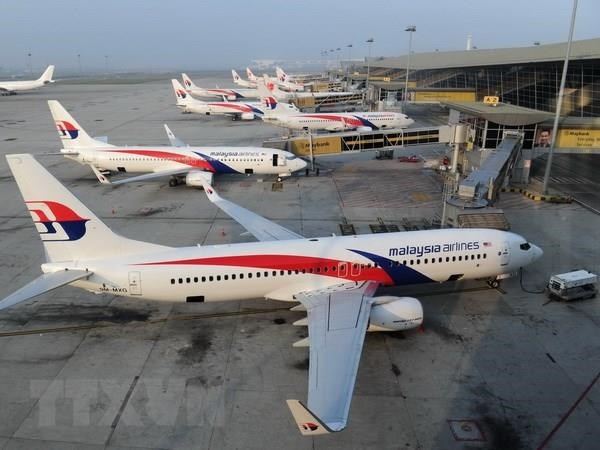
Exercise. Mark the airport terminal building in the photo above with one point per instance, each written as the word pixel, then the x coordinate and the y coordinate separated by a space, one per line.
pixel 527 76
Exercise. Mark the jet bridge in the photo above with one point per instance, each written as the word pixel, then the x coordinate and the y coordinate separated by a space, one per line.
pixel 468 205
pixel 359 141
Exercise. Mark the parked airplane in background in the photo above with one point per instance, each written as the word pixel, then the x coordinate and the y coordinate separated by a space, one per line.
pixel 273 90
pixel 12 87
pixel 236 110
pixel 286 82
pixel 241 82
pixel 334 278
pixel 193 166
pixel 225 93
pixel 284 85
pixel 288 116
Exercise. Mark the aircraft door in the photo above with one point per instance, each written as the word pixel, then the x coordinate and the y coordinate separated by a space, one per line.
pixel 504 254
pixel 355 270
pixel 275 156
pixel 135 283
pixel 343 269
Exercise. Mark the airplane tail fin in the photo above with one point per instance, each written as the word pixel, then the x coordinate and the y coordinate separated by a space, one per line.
pixel 235 76
pixel 183 98
pixel 46 77
pixel 273 87
pixel 281 75
pixel 68 229
pixel 187 82
pixel 250 75
pixel 72 135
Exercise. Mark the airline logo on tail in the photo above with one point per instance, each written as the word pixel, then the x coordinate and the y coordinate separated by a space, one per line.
pixel 187 82
pixel 56 222
pixel 180 93
pixel 66 129
pixel 270 102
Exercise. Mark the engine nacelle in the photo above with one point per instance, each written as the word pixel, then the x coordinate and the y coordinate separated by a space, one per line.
pixel 195 178
pixel 364 129
pixel 247 116
pixel 395 313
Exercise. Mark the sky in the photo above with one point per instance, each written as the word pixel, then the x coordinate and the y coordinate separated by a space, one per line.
pixel 155 35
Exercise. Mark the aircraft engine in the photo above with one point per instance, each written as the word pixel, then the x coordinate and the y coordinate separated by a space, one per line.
pixel 364 129
pixel 247 116
pixel 195 178
pixel 391 313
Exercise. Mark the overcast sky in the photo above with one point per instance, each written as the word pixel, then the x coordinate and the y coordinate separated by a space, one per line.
pixel 223 34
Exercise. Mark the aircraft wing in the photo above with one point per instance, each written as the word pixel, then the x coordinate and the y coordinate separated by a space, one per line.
pixel 44 283
pixel 145 177
pixel 259 227
pixel 337 322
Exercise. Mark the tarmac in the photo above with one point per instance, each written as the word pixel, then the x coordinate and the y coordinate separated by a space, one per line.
pixel 491 368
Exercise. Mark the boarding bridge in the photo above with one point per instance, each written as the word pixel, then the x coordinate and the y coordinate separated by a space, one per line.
pixel 359 141
pixel 337 99
pixel 468 206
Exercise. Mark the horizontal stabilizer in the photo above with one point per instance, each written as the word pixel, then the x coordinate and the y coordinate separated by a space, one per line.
pixel 307 422
pixel 301 343
pixel 301 322
pixel 298 307
pixel 42 284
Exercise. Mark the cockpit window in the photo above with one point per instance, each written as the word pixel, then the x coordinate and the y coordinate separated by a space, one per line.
pixel 290 158
pixel 525 246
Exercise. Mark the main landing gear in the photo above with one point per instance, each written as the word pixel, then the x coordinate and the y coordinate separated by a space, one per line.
pixel 493 283
pixel 173 182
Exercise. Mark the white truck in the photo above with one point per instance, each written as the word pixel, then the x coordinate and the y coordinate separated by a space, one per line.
pixel 575 285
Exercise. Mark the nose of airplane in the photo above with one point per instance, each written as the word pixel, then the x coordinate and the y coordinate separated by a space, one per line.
pixel 537 252
pixel 301 163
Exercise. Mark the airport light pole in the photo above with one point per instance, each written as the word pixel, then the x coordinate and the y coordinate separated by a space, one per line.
pixel 106 63
pixel 349 46
pixel 369 41
pixel 559 102
pixel 29 64
pixel 411 29
pixel 79 63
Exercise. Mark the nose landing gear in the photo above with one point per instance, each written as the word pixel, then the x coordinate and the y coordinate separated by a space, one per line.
pixel 493 283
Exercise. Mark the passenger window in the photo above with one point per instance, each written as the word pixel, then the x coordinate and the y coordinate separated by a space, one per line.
pixel 181 281
pixel 412 262
pixel 274 273
pixel 210 278
pixel 226 277
pixel 172 280
pixel 418 261
pixel 218 277
pixel 233 276
pixel 478 256
pixel 484 255
pixel 282 272
pixel 460 257
pixel 195 279
pixel 241 276
pixel 203 279
pixel 257 274
pixel 266 274
pixel 425 262
pixel 187 280
pixel 249 275
pixel 453 258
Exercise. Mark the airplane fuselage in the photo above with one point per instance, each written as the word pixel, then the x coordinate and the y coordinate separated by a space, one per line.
pixel 341 121
pixel 222 108
pixel 280 269
pixel 230 94
pixel 211 159
pixel 16 86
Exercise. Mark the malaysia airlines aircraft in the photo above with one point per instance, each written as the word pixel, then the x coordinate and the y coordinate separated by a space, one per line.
pixel 272 89
pixel 285 85
pixel 12 87
pixel 236 110
pixel 241 82
pixel 288 116
pixel 334 278
pixel 193 166
pixel 226 93
pixel 285 81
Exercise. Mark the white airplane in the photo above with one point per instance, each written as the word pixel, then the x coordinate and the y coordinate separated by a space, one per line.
pixel 284 85
pixel 241 82
pixel 287 82
pixel 288 116
pixel 272 89
pixel 236 110
pixel 334 278
pixel 227 93
pixel 12 87
pixel 193 166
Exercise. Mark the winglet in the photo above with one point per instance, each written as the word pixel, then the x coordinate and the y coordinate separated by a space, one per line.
pixel 101 178
pixel 308 423
pixel 174 140
pixel 212 195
